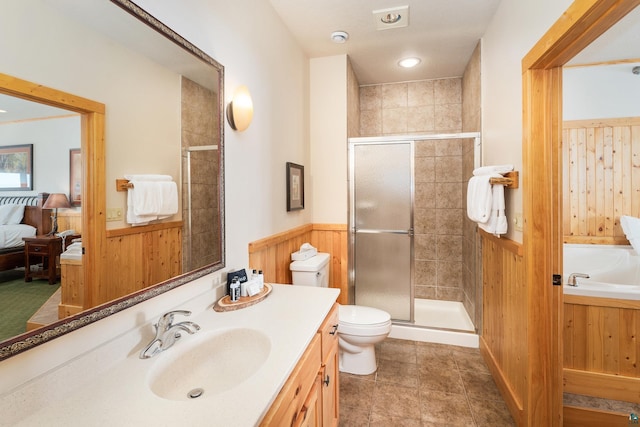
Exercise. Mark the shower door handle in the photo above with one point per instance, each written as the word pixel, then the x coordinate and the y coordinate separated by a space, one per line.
pixel 381 231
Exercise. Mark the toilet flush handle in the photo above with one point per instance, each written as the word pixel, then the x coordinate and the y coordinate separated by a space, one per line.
pixel 335 329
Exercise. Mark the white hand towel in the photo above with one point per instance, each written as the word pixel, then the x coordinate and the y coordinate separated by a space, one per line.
pixel 149 177
pixel 486 170
pixel 479 198
pixel 152 197
pixel 497 223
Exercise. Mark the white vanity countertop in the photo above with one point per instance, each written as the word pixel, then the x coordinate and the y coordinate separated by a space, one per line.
pixel 290 316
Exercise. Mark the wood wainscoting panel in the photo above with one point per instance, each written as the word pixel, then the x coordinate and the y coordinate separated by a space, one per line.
pixel 70 220
pixel 138 257
pixel 603 338
pixel 584 417
pixel 504 327
pixel 272 254
pixel 601 178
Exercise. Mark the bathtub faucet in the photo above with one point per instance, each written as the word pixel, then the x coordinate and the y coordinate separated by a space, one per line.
pixel 572 278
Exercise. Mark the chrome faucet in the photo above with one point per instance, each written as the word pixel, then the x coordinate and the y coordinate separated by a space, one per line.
pixel 572 278
pixel 167 333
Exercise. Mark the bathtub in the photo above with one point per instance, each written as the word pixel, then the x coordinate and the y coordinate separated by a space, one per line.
pixel 614 271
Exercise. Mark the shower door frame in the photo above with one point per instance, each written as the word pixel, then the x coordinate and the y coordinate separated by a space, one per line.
pixel 396 139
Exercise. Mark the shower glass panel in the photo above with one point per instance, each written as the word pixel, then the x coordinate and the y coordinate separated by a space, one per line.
pixel 200 200
pixel 382 226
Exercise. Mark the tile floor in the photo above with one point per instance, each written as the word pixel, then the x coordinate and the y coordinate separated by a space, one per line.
pixel 423 385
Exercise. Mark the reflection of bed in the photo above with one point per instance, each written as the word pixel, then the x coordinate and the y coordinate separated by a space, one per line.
pixel 35 221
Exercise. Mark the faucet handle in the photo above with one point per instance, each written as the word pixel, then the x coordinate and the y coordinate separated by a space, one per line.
pixel 166 320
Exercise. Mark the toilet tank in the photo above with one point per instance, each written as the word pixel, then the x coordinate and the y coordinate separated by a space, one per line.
pixel 311 272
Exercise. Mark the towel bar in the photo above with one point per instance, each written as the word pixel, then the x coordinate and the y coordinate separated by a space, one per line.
pixel 123 184
pixel 509 180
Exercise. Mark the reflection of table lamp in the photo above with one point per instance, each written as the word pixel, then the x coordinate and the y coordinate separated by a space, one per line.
pixel 55 201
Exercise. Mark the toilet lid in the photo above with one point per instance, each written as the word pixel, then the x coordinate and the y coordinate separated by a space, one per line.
pixel 360 315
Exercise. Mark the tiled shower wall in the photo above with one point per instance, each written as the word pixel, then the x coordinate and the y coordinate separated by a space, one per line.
pixel 427 107
pixel 199 127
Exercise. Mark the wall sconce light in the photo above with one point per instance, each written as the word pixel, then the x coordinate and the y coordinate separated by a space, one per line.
pixel 55 201
pixel 240 109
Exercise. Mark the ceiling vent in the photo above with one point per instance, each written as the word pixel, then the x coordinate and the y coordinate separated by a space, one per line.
pixel 396 17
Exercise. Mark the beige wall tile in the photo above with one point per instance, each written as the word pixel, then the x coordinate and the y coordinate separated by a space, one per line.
pixel 449 248
pixel 448 169
pixel 449 195
pixel 394 95
pixel 425 148
pixel 420 93
pixel 370 98
pixel 425 195
pixel 449 294
pixel 371 123
pixel 450 274
pixel 448 147
pixel 425 246
pixel 448 221
pixel 425 272
pixel 447 91
pixel 424 220
pixel 421 119
pixel 424 169
pixel 394 121
pixel 447 118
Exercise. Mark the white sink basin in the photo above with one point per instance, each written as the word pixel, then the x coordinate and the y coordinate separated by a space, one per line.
pixel 208 363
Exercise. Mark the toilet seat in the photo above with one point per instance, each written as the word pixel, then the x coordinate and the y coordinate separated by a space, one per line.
pixel 363 321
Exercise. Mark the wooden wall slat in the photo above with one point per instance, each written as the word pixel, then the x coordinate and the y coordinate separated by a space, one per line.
pixel 138 260
pixel 272 254
pixel 504 319
pixel 601 178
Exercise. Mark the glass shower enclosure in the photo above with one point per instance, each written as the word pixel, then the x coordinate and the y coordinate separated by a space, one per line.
pixel 382 225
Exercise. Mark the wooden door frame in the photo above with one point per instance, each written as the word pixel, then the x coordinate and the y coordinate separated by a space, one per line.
pixel 92 124
pixel 579 25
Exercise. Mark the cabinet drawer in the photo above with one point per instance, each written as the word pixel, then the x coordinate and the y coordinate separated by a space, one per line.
pixel 291 398
pixel 329 331
pixel 35 248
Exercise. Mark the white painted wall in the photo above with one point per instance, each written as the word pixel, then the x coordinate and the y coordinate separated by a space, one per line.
pixel 250 40
pixel 52 139
pixel 63 54
pixel 514 30
pixel 599 92
pixel 328 129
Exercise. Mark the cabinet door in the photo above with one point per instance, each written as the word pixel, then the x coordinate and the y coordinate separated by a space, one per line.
pixel 311 412
pixel 331 388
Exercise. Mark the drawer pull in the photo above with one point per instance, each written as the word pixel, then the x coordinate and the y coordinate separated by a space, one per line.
pixel 327 380
pixel 335 329
pixel 36 249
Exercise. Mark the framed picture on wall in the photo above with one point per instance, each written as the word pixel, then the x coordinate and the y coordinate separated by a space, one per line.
pixel 75 177
pixel 295 187
pixel 16 167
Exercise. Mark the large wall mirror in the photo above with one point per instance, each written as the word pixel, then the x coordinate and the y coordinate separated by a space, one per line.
pixel 143 101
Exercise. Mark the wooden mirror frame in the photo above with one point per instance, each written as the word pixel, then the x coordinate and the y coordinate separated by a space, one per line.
pixel 94 234
pixel 580 25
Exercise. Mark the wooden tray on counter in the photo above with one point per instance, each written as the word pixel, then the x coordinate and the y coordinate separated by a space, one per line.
pixel 225 303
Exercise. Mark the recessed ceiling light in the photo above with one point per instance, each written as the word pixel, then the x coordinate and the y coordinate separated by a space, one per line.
pixel 3 111
pixel 409 62
pixel 390 18
pixel 339 36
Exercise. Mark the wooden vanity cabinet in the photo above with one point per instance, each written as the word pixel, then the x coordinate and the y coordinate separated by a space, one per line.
pixel 310 396
pixel 330 369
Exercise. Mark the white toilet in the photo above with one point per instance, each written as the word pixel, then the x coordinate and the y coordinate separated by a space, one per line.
pixel 359 328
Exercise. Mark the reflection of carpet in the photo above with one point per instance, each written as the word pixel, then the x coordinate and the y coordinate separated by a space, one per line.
pixel 19 300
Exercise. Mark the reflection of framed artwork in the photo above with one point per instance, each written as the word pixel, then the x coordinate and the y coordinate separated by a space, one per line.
pixel 16 167
pixel 295 187
pixel 75 177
